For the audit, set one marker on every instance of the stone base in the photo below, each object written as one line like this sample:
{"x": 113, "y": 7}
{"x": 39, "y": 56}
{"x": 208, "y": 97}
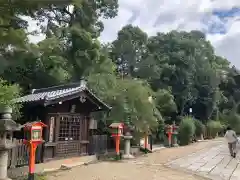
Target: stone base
{"x": 128, "y": 156}
{"x": 175, "y": 145}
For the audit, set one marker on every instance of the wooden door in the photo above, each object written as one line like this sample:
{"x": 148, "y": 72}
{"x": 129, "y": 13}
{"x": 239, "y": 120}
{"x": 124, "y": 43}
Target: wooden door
{"x": 71, "y": 135}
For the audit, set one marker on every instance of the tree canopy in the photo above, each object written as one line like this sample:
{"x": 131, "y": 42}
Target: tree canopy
{"x": 178, "y": 70}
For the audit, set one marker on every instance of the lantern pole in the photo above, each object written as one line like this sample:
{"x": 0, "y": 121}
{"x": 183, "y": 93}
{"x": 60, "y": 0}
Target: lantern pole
{"x": 118, "y": 145}
{"x": 145, "y": 140}
{"x": 117, "y": 131}
{"x": 169, "y": 129}
{"x": 32, "y": 153}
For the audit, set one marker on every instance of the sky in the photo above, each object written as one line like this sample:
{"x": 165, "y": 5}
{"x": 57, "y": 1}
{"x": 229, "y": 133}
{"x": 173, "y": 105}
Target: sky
{"x": 219, "y": 19}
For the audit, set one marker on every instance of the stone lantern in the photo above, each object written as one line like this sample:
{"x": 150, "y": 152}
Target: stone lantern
{"x": 7, "y": 126}
{"x": 127, "y": 146}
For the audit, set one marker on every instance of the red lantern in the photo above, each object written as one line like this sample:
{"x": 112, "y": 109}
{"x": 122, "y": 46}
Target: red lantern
{"x": 169, "y": 132}
{"x": 117, "y": 129}
{"x": 32, "y": 137}
{"x": 117, "y": 132}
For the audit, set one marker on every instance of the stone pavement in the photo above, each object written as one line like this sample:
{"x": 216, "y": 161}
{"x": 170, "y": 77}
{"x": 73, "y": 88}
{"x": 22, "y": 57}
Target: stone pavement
{"x": 151, "y": 166}
{"x": 215, "y": 163}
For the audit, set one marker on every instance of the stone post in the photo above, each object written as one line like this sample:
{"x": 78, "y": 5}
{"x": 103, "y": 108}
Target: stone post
{"x": 127, "y": 147}
{"x": 3, "y": 165}
{"x": 7, "y": 126}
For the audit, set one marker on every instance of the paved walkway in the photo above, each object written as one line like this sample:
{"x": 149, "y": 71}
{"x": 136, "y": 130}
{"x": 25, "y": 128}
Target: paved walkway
{"x": 215, "y": 163}
{"x": 151, "y": 166}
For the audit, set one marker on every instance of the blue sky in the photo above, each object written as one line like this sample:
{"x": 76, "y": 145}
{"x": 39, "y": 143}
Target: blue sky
{"x": 219, "y": 19}
{"x": 223, "y": 16}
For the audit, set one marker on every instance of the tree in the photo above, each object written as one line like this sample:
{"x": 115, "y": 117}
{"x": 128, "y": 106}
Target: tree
{"x": 70, "y": 47}
{"x": 128, "y": 98}
{"x": 173, "y": 53}
{"x": 178, "y": 69}
{"x": 77, "y": 27}
{"x": 9, "y": 92}
{"x": 165, "y": 103}
{"x": 128, "y": 49}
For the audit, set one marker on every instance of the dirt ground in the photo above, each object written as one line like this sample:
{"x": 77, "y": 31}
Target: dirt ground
{"x": 148, "y": 167}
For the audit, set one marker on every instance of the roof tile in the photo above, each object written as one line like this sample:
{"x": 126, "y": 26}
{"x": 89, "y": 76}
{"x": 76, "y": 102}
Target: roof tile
{"x": 52, "y": 93}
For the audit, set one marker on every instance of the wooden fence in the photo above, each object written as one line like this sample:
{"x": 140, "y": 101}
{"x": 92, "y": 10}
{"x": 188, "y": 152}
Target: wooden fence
{"x": 18, "y": 156}
{"x": 98, "y": 144}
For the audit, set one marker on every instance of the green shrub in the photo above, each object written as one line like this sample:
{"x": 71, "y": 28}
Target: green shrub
{"x": 186, "y": 130}
{"x": 213, "y": 127}
{"x": 36, "y": 177}
{"x": 234, "y": 121}
{"x": 199, "y": 127}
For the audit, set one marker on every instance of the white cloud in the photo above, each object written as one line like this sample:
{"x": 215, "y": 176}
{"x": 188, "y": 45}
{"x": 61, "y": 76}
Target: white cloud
{"x": 166, "y": 15}
{"x": 228, "y": 45}
{"x": 111, "y": 27}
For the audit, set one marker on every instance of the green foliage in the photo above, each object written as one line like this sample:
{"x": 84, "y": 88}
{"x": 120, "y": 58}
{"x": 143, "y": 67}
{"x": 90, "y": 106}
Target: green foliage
{"x": 165, "y": 102}
{"x": 9, "y": 92}
{"x": 213, "y": 127}
{"x": 129, "y": 99}
{"x": 128, "y": 48}
{"x": 118, "y": 157}
{"x": 186, "y": 130}
{"x": 160, "y": 134}
{"x": 178, "y": 69}
{"x": 234, "y": 122}
{"x": 36, "y": 176}
{"x": 199, "y": 127}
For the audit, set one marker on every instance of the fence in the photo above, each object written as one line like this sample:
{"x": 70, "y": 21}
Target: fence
{"x": 98, "y": 144}
{"x": 18, "y": 156}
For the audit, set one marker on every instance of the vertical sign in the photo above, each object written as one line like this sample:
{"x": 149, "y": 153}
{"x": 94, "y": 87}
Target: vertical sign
{"x": 51, "y": 129}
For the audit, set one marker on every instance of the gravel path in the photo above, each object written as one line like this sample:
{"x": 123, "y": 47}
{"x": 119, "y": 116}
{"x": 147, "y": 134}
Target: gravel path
{"x": 148, "y": 167}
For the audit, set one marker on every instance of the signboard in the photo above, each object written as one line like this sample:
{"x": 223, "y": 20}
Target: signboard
{"x": 51, "y": 129}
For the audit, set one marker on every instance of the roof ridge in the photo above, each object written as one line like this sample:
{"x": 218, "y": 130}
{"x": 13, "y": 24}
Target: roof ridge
{"x": 49, "y": 97}
{"x": 58, "y": 87}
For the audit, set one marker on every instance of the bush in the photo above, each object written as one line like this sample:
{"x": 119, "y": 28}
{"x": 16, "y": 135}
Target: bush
{"x": 36, "y": 177}
{"x": 233, "y": 120}
{"x": 199, "y": 128}
{"x": 186, "y": 130}
{"x": 213, "y": 127}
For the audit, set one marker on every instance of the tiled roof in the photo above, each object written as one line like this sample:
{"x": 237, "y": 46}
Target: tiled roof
{"x": 56, "y": 92}
{"x": 51, "y": 95}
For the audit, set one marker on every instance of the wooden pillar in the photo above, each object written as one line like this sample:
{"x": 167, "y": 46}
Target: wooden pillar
{"x": 56, "y": 133}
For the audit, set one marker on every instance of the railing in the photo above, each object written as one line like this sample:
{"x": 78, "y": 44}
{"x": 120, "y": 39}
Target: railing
{"x": 18, "y": 156}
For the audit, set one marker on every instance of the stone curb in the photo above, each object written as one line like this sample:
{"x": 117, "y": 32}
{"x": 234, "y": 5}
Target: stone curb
{"x": 158, "y": 149}
{"x": 69, "y": 166}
